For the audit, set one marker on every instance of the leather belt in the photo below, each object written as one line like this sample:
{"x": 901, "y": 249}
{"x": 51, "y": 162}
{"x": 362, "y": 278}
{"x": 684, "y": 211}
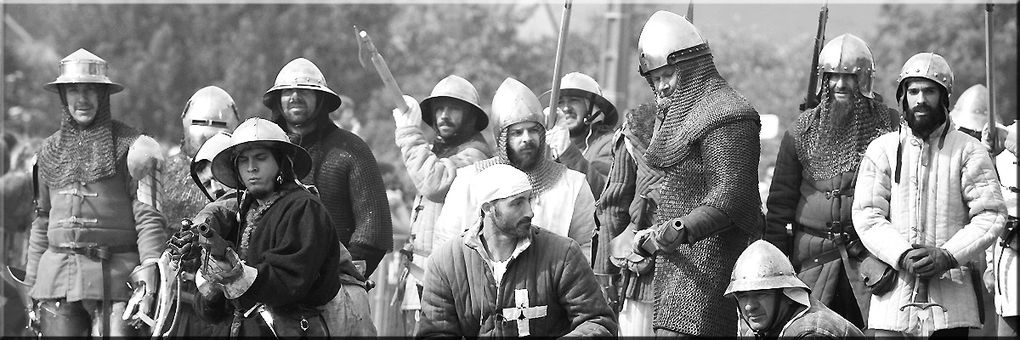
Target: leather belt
{"x": 93, "y": 250}
{"x": 823, "y": 258}
{"x": 840, "y": 238}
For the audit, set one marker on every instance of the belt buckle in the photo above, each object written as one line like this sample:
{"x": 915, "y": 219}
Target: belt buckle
{"x": 832, "y": 193}
{"x": 839, "y": 238}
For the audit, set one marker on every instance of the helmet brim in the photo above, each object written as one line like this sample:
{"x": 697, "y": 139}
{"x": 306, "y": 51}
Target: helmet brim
{"x": 428, "y": 115}
{"x": 608, "y": 109}
{"x": 223, "y": 164}
{"x": 330, "y": 101}
{"x": 54, "y": 86}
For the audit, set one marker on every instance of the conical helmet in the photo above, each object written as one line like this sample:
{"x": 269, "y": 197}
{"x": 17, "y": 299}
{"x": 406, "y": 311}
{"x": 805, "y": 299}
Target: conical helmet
{"x": 666, "y": 39}
{"x": 926, "y": 65}
{"x": 848, "y": 54}
{"x": 762, "y": 266}
{"x": 301, "y": 73}
{"x": 83, "y": 67}
{"x": 971, "y": 109}
{"x": 459, "y": 89}
{"x": 258, "y": 130}
{"x": 210, "y": 106}
{"x": 581, "y": 85}
{"x": 514, "y": 103}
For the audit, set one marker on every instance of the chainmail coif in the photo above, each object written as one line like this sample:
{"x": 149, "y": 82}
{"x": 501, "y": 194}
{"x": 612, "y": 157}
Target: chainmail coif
{"x": 704, "y": 123}
{"x": 827, "y": 149}
{"x": 182, "y": 196}
{"x": 84, "y": 154}
{"x": 542, "y": 176}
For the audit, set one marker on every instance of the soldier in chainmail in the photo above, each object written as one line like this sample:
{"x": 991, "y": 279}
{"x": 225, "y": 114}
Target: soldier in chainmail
{"x": 344, "y": 173}
{"x": 210, "y": 111}
{"x": 707, "y": 147}
{"x": 563, "y": 202}
{"x": 813, "y": 186}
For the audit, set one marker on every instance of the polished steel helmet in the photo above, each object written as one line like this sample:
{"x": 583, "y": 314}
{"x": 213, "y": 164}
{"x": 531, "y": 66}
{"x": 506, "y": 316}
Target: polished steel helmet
{"x": 301, "y": 73}
{"x": 971, "y": 109}
{"x": 456, "y": 88}
{"x": 212, "y": 147}
{"x": 210, "y": 106}
{"x": 848, "y": 54}
{"x": 666, "y": 39}
{"x": 83, "y": 67}
{"x": 264, "y": 132}
{"x": 514, "y": 103}
{"x": 926, "y": 65}
{"x": 762, "y": 266}
{"x": 576, "y": 84}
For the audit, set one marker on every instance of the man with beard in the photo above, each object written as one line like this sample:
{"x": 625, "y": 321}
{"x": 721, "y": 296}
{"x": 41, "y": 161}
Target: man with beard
{"x": 344, "y": 171}
{"x": 709, "y": 209}
{"x": 628, "y": 205}
{"x": 928, "y": 204}
{"x": 506, "y": 277}
{"x": 97, "y": 213}
{"x": 813, "y": 185}
{"x": 588, "y": 118}
{"x": 563, "y": 202}
{"x": 452, "y": 110}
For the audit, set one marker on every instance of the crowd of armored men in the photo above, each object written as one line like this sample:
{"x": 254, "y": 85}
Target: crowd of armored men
{"x": 879, "y": 218}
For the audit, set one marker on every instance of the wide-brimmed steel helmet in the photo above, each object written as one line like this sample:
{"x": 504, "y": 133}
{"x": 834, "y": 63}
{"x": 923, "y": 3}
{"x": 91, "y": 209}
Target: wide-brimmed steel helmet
{"x": 301, "y": 73}
{"x": 666, "y": 39}
{"x": 927, "y": 65}
{"x": 262, "y": 132}
{"x": 762, "y": 266}
{"x": 971, "y": 109}
{"x": 83, "y": 67}
{"x": 211, "y": 106}
{"x": 514, "y": 103}
{"x": 212, "y": 147}
{"x": 576, "y": 84}
{"x": 850, "y": 55}
{"x": 456, "y": 88}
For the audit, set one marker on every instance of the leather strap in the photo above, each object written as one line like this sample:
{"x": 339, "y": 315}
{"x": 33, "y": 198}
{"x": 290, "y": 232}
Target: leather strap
{"x": 101, "y": 253}
{"x": 823, "y": 258}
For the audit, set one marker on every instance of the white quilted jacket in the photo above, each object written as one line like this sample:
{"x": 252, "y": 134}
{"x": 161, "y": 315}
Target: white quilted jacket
{"x": 947, "y": 195}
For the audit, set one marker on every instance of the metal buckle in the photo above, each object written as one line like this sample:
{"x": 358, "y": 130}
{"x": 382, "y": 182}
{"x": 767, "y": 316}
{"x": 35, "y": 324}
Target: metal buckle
{"x": 830, "y": 194}
{"x": 78, "y": 220}
{"x": 839, "y": 238}
{"x": 79, "y": 193}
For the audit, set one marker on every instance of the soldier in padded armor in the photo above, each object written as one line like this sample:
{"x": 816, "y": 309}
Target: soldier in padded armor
{"x": 773, "y": 303}
{"x": 588, "y": 119}
{"x": 816, "y": 169}
{"x": 210, "y": 112}
{"x": 453, "y": 111}
{"x": 563, "y": 202}
{"x": 98, "y": 224}
{"x": 709, "y": 209}
{"x": 628, "y": 205}
{"x": 344, "y": 172}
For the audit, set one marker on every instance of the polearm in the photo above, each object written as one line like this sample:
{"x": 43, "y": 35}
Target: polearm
{"x": 690, "y": 11}
{"x": 811, "y": 99}
{"x": 992, "y": 133}
{"x": 561, "y": 42}
{"x": 367, "y": 54}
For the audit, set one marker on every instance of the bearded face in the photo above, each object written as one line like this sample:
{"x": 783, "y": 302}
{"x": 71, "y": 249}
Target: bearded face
{"x": 843, "y": 93}
{"x": 524, "y": 144}
{"x": 512, "y": 215}
{"x": 923, "y": 107}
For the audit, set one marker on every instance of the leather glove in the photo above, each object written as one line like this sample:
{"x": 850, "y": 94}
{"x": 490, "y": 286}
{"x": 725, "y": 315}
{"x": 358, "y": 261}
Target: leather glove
{"x": 219, "y": 271}
{"x": 410, "y": 118}
{"x": 639, "y": 240}
{"x": 909, "y": 257}
{"x": 994, "y": 146}
{"x": 557, "y": 137}
{"x": 934, "y": 262}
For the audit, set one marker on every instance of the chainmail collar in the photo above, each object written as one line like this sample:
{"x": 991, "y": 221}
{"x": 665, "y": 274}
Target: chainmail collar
{"x": 542, "y": 177}
{"x": 827, "y": 150}
{"x": 85, "y": 154}
{"x": 702, "y": 102}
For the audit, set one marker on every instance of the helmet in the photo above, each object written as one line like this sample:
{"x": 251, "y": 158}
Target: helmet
{"x": 926, "y": 65}
{"x": 848, "y": 54}
{"x": 83, "y": 67}
{"x": 578, "y": 84}
{"x": 514, "y": 103}
{"x": 210, "y": 106}
{"x": 258, "y": 130}
{"x": 301, "y": 74}
{"x": 456, "y": 88}
{"x": 666, "y": 39}
{"x": 212, "y": 147}
{"x": 971, "y": 109}
{"x": 762, "y": 266}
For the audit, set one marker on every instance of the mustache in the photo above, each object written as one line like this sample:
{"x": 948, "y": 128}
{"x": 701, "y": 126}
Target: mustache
{"x": 525, "y": 220}
{"x": 445, "y": 122}
{"x": 922, "y": 108}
